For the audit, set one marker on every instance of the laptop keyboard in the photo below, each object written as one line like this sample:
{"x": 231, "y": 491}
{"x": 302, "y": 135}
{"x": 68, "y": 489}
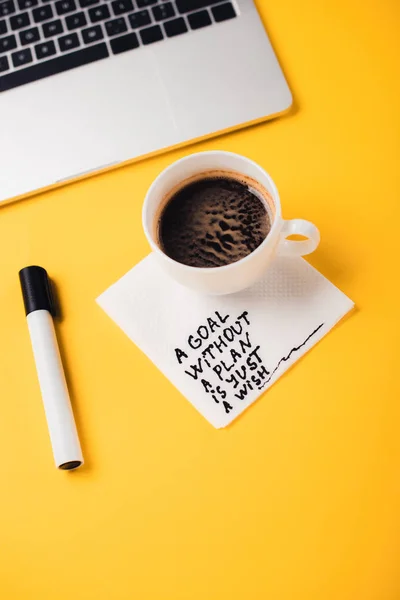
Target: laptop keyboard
{"x": 39, "y": 38}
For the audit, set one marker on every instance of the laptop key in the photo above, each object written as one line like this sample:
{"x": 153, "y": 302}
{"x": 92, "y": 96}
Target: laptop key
{"x": 55, "y": 65}
{"x": 122, "y": 6}
{"x": 3, "y": 27}
{"x": 85, "y": 3}
{"x": 4, "y": 66}
{"x": 92, "y": 34}
{"x": 45, "y": 49}
{"x": 76, "y": 20}
{"x": 24, "y": 4}
{"x": 53, "y": 28}
{"x": 20, "y": 21}
{"x": 68, "y": 42}
{"x": 65, "y": 6}
{"x": 139, "y": 19}
{"x": 151, "y": 34}
{"x": 21, "y": 57}
{"x": 199, "y": 19}
{"x": 143, "y": 3}
{"x": 163, "y": 11}
{"x": 185, "y": 6}
{"x": 223, "y": 12}
{"x": 99, "y": 13}
{"x": 175, "y": 27}
{"x": 29, "y": 36}
{"x": 7, "y": 43}
{"x": 43, "y": 13}
{"x": 7, "y": 8}
{"x": 124, "y": 43}
{"x": 116, "y": 26}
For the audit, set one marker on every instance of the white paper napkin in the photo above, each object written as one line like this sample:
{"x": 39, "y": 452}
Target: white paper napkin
{"x": 223, "y": 352}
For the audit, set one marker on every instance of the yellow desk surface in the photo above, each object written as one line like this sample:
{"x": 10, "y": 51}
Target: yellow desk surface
{"x": 300, "y": 498}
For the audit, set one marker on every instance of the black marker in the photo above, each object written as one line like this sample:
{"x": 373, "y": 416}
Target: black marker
{"x": 39, "y": 308}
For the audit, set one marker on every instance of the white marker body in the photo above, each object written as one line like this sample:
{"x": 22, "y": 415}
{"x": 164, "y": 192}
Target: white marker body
{"x": 57, "y": 405}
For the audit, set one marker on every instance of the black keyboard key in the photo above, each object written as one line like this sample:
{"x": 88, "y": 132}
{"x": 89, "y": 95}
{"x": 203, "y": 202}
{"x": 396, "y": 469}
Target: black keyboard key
{"x": 92, "y": 34}
{"x": 143, "y": 3}
{"x": 29, "y": 36}
{"x": 122, "y": 6}
{"x": 199, "y": 19}
{"x": 151, "y": 34}
{"x": 53, "y": 28}
{"x": 140, "y": 19}
{"x": 3, "y": 27}
{"x": 163, "y": 11}
{"x": 185, "y": 6}
{"x": 175, "y": 27}
{"x": 21, "y": 57}
{"x": 99, "y": 13}
{"x": 116, "y": 26}
{"x": 45, "y": 50}
{"x": 223, "y": 12}
{"x": 7, "y": 43}
{"x": 53, "y": 66}
{"x": 124, "y": 43}
{"x": 24, "y": 4}
{"x": 68, "y": 42}
{"x": 7, "y": 8}
{"x": 85, "y": 3}
{"x": 4, "y": 66}
{"x": 20, "y": 21}
{"x": 43, "y": 13}
{"x": 65, "y": 6}
{"x": 76, "y": 20}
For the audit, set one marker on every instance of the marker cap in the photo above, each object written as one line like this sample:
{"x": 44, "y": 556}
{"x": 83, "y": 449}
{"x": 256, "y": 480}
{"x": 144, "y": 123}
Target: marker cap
{"x": 36, "y": 290}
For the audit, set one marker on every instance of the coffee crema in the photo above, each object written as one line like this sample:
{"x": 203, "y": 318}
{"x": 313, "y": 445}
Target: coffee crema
{"x": 214, "y": 219}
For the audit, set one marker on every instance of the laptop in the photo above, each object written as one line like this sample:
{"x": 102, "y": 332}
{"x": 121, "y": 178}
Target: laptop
{"x": 86, "y": 85}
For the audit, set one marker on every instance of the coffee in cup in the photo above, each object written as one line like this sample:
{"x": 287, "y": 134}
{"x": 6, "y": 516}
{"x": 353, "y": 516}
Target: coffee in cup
{"x": 214, "y": 219}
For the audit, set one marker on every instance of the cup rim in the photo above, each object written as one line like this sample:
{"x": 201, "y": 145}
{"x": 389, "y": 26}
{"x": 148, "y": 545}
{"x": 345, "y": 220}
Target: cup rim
{"x": 276, "y": 224}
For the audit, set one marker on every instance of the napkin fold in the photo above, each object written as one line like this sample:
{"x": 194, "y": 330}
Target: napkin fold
{"x": 223, "y": 352}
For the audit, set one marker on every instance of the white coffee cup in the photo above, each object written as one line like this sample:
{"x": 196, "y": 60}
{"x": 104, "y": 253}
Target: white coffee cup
{"x": 237, "y": 275}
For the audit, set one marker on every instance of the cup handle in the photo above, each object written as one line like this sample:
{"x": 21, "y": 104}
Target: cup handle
{"x": 298, "y": 227}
